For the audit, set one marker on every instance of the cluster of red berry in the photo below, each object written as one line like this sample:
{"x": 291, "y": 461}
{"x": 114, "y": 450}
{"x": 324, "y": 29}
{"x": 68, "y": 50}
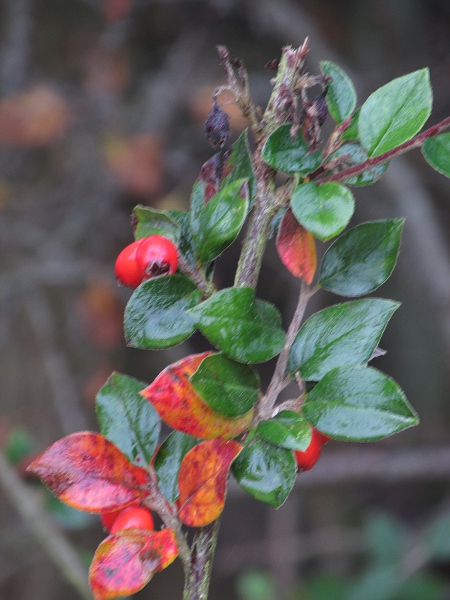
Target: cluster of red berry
{"x": 146, "y": 258}
{"x": 306, "y": 459}
{"x": 132, "y": 517}
{"x": 143, "y": 259}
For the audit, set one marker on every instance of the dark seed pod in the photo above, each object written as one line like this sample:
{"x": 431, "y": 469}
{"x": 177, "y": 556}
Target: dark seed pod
{"x": 217, "y": 127}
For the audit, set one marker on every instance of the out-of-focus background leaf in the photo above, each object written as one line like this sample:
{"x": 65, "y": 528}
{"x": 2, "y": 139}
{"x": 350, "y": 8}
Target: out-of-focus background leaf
{"x": 102, "y": 104}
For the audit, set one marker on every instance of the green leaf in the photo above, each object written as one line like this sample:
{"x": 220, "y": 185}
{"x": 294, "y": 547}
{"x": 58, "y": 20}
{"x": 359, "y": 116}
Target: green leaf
{"x": 362, "y": 259}
{"x": 265, "y": 472}
{"x": 156, "y": 317}
{"x": 168, "y": 460}
{"x": 227, "y": 387}
{"x": 286, "y": 429}
{"x": 438, "y": 537}
{"x": 395, "y": 113}
{"x": 324, "y": 210}
{"x": 344, "y": 334}
{"x": 240, "y": 166}
{"x": 196, "y": 206}
{"x": 148, "y": 221}
{"x": 221, "y": 220}
{"x": 127, "y": 419}
{"x": 290, "y": 156}
{"x": 245, "y": 329}
{"x": 358, "y": 404}
{"x": 341, "y": 95}
{"x": 356, "y": 155}
{"x": 386, "y": 538}
{"x": 186, "y": 243}
{"x": 436, "y": 151}
{"x": 351, "y": 133}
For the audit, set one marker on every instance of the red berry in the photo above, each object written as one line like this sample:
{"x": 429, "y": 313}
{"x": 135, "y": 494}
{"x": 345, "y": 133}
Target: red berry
{"x": 126, "y": 267}
{"x": 306, "y": 459}
{"x": 156, "y": 255}
{"x": 133, "y": 517}
{"x": 109, "y": 518}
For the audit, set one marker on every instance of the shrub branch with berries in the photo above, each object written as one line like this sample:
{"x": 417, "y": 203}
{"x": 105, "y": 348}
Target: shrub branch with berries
{"x": 298, "y": 185}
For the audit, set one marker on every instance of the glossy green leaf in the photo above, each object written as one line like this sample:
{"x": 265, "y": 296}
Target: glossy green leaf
{"x": 186, "y": 243}
{"x": 394, "y": 113}
{"x": 239, "y": 165}
{"x": 362, "y": 258}
{"x": 344, "y": 334}
{"x": 228, "y": 387}
{"x": 324, "y": 210}
{"x": 436, "y": 151}
{"x": 265, "y": 472}
{"x": 156, "y": 317}
{"x": 126, "y": 419}
{"x": 168, "y": 460}
{"x": 149, "y": 221}
{"x": 358, "y": 404}
{"x": 352, "y": 155}
{"x": 221, "y": 220}
{"x": 287, "y": 429}
{"x": 196, "y": 206}
{"x": 287, "y": 155}
{"x": 351, "y": 132}
{"x": 245, "y": 329}
{"x": 341, "y": 95}
{"x": 438, "y": 537}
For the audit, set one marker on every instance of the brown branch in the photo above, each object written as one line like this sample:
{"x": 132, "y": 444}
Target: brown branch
{"x": 415, "y": 142}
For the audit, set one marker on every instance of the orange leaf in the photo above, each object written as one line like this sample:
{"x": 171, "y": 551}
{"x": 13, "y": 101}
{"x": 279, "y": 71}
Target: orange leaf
{"x": 173, "y": 396}
{"x": 86, "y": 471}
{"x": 125, "y": 562}
{"x": 296, "y": 248}
{"x": 202, "y": 481}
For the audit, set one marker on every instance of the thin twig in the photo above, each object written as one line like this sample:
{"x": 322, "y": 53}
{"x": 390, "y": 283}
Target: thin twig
{"x": 278, "y": 379}
{"x": 206, "y": 287}
{"x": 415, "y": 142}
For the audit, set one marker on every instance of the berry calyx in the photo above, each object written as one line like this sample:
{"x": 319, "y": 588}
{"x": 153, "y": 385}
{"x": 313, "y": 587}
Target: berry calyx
{"x": 126, "y": 267}
{"x": 306, "y": 459}
{"x": 133, "y": 517}
{"x": 156, "y": 255}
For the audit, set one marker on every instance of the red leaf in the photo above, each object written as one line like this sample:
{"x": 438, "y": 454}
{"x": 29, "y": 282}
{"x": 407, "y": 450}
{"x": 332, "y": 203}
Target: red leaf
{"x": 125, "y": 562}
{"x": 86, "y": 471}
{"x": 296, "y": 248}
{"x": 202, "y": 481}
{"x": 177, "y": 403}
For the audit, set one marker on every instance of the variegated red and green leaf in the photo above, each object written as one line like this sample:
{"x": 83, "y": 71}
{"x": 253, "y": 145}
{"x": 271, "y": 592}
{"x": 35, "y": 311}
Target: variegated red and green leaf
{"x": 202, "y": 481}
{"x": 87, "y": 472}
{"x": 296, "y": 248}
{"x": 124, "y": 563}
{"x": 177, "y": 403}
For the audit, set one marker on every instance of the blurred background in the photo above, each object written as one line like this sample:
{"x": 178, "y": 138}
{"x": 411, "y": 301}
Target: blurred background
{"x": 102, "y": 104}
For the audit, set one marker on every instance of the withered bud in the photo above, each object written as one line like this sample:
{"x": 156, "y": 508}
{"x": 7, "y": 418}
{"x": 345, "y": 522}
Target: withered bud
{"x": 217, "y": 126}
